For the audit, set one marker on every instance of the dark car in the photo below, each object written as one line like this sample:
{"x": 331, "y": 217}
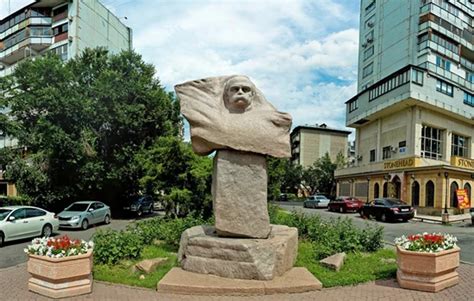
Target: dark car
{"x": 345, "y": 204}
{"x": 385, "y": 209}
{"x": 471, "y": 210}
{"x": 140, "y": 205}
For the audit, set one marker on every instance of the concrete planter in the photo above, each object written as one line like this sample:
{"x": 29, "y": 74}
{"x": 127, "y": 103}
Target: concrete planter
{"x": 60, "y": 277}
{"x": 429, "y": 272}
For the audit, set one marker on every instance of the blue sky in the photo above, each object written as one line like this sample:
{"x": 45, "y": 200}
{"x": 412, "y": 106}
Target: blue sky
{"x": 301, "y": 54}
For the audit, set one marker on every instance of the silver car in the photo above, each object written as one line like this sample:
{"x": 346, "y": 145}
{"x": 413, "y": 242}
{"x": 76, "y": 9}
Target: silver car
{"x": 316, "y": 201}
{"x": 18, "y": 222}
{"x": 83, "y": 214}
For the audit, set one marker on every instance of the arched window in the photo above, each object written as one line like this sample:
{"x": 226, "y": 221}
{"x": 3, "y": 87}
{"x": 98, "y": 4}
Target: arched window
{"x": 385, "y": 188}
{"x": 376, "y": 190}
{"x": 429, "y": 189}
{"x": 415, "y": 194}
{"x": 452, "y": 193}
{"x": 467, "y": 187}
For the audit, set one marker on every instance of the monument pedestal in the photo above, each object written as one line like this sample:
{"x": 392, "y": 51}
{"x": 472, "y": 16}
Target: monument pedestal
{"x": 202, "y": 251}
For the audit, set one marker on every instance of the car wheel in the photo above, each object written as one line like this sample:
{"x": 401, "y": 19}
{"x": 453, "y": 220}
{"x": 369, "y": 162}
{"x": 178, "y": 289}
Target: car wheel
{"x": 2, "y": 239}
{"x": 85, "y": 224}
{"x": 304, "y": 205}
{"x": 404, "y": 220}
{"x": 362, "y": 213}
{"x": 107, "y": 219}
{"x": 47, "y": 231}
{"x": 383, "y": 217}
{"x": 139, "y": 212}
{"x": 341, "y": 210}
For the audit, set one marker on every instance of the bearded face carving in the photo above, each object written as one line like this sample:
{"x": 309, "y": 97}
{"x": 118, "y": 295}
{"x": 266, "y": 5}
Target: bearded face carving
{"x": 238, "y": 94}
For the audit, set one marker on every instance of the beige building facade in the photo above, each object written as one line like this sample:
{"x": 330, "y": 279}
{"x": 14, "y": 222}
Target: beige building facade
{"x": 414, "y": 111}
{"x": 309, "y": 143}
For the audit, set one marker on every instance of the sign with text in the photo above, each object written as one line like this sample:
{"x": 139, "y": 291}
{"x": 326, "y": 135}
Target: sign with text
{"x": 462, "y": 162}
{"x": 400, "y": 163}
{"x": 463, "y": 199}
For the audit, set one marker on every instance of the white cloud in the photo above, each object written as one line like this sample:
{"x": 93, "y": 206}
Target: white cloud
{"x": 301, "y": 54}
{"x": 10, "y": 6}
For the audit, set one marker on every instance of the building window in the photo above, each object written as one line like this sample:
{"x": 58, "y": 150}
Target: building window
{"x": 370, "y": 7}
{"x": 454, "y": 197}
{"x": 459, "y": 145}
{"x": 429, "y": 193}
{"x": 376, "y": 190}
{"x": 40, "y": 31}
{"x": 60, "y": 29}
{"x": 352, "y": 105}
{"x": 469, "y": 99}
{"x": 387, "y": 152}
{"x": 431, "y": 143}
{"x": 451, "y": 46}
{"x": 470, "y": 76}
{"x": 417, "y": 76}
{"x": 368, "y": 70}
{"x": 372, "y": 155}
{"x": 443, "y": 63}
{"x": 60, "y": 51}
{"x": 394, "y": 82}
{"x": 368, "y": 52}
{"x": 444, "y": 87}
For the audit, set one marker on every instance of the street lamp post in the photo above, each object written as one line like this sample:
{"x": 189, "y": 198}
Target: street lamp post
{"x": 368, "y": 188}
{"x": 445, "y": 216}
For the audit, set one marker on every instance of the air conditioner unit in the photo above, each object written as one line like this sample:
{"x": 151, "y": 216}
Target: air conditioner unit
{"x": 394, "y": 149}
{"x": 359, "y": 157}
{"x": 70, "y": 38}
{"x": 70, "y": 18}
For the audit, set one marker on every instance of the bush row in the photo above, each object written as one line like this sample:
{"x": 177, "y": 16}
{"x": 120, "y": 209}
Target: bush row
{"x": 330, "y": 236}
{"x": 112, "y": 246}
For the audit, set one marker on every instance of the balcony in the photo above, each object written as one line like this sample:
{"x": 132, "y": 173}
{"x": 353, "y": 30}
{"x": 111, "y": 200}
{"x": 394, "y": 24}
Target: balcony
{"x": 458, "y": 80}
{"x": 30, "y": 21}
{"x": 23, "y": 49}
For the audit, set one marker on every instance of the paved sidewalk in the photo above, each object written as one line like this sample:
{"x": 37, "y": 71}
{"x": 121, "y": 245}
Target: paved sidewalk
{"x": 13, "y": 286}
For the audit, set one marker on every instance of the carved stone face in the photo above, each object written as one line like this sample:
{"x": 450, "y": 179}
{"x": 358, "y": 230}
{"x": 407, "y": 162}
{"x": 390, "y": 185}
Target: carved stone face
{"x": 239, "y": 93}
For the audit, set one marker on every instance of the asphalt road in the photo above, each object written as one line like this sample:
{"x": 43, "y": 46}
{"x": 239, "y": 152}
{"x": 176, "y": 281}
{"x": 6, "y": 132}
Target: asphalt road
{"x": 12, "y": 253}
{"x": 463, "y": 231}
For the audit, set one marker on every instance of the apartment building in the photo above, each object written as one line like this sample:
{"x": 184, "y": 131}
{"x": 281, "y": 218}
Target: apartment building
{"x": 413, "y": 114}
{"x": 311, "y": 142}
{"x": 64, "y": 27}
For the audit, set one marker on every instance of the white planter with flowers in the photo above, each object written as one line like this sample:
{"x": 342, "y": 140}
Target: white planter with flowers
{"x": 60, "y": 267}
{"x": 427, "y": 262}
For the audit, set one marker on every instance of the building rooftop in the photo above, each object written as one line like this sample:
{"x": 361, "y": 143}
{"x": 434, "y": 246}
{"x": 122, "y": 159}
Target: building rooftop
{"x": 320, "y": 127}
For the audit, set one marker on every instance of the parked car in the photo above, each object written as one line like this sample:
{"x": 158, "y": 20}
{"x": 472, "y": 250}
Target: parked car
{"x": 385, "y": 209}
{"x": 83, "y": 214}
{"x": 345, "y": 204}
{"x": 316, "y": 201}
{"x": 471, "y": 210}
{"x": 140, "y": 205}
{"x": 18, "y": 222}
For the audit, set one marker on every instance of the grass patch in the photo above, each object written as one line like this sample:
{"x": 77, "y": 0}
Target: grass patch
{"x": 122, "y": 273}
{"x": 358, "y": 267}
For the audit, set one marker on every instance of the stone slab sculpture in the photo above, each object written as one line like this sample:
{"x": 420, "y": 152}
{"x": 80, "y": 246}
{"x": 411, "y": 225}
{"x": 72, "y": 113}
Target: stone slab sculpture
{"x": 228, "y": 114}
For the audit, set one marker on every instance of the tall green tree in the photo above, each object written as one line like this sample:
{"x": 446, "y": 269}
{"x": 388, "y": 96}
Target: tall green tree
{"x": 171, "y": 169}
{"x": 82, "y": 124}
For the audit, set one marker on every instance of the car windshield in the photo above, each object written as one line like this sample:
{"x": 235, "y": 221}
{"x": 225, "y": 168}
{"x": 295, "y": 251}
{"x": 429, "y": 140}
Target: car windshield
{"x": 395, "y": 202}
{"x": 4, "y": 213}
{"x": 77, "y": 207}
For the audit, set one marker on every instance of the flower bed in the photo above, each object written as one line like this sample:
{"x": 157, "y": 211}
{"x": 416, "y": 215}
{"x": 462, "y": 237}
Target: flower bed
{"x": 426, "y": 242}
{"x": 60, "y": 267}
{"x": 58, "y": 247}
{"x": 427, "y": 262}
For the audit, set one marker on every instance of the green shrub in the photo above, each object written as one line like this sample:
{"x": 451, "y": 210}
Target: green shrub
{"x": 330, "y": 236}
{"x": 111, "y": 246}
{"x": 14, "y": 200}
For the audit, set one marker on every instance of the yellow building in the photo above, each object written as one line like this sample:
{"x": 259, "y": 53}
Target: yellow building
{"x": 309, "y": 143}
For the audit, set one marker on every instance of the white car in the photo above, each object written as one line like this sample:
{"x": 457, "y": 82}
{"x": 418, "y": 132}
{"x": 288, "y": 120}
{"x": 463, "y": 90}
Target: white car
{"x": 316, "y": 201}
{"x": 19, "y": 222}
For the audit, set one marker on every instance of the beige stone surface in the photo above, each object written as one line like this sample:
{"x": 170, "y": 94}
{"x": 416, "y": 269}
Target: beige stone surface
{"x": 179, "y": 281}
{"x": 149, "y": 265}
{"x": 60, "y": 277}
{"x": 239, "y": 193}
{"x": 334, "y": 262}
{"x": 430, "y": 272}
{"x": 229, "y": 112}
{"x": 202, "y": 251}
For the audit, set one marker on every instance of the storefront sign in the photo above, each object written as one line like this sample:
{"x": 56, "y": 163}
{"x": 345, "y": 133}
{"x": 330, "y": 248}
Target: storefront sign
{"x": 462, "y": 162}
{"x": 463, "y": 199}
{"x": 401, "y": 163}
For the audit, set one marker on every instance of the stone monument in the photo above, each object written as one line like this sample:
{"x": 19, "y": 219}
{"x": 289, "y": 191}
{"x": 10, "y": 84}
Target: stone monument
{"x": 229, "y": 115}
